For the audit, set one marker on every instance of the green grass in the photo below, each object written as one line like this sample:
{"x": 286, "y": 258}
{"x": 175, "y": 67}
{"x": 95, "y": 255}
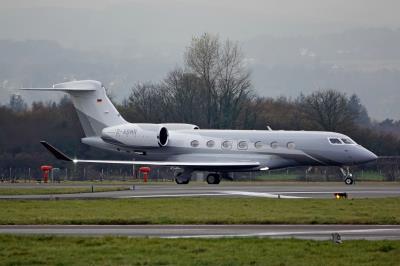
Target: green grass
{"x": 58, "y": 190}
{"x": 276, "y": 176}
{"x": 50, "y": 250}
{"x": 202, "y": 211}
{"x": 297, "y": 176}
{"x": 370, "y": 176}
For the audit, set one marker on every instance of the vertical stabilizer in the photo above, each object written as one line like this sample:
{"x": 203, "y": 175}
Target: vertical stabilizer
{"x": 94, "y": 108}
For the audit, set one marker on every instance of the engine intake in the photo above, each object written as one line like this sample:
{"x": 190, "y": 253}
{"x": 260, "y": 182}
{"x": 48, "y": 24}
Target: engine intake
{"x": 163, "y": 137}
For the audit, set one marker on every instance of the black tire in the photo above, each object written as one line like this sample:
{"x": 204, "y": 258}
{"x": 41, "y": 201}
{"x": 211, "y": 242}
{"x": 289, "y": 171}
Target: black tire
{"x": 180, "y": 181}
{"x": 213, "y": 179}
{"x": 349, "y": 181}
{"x": 210, "y": 179}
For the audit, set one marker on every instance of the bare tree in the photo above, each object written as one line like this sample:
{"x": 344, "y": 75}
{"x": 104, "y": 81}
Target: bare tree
{"x": 359, "y": 111}
{"x": 328, "y": 110}
{"x": 226, "y": 81}
{"x": 183, "y": 97}
{"x": 234, "y": 85}
{"x": 202, "y": 59}
{"x": 17, "y": 104}
{"x": 146, "y": 99}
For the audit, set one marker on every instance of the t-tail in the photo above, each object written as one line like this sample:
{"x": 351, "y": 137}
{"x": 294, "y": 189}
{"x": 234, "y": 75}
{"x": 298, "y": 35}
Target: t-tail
{"x": 94, "y": 108}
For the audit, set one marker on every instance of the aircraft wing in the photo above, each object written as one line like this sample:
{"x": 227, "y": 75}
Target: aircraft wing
{"x": 233, "y": 164}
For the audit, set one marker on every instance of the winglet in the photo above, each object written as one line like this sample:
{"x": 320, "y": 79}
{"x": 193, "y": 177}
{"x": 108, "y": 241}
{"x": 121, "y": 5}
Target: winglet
{"x": 58, "y": 154}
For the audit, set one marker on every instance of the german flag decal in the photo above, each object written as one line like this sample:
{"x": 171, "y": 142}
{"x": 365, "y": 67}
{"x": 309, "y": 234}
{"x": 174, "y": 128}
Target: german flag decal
{"x": 99, "y": 100}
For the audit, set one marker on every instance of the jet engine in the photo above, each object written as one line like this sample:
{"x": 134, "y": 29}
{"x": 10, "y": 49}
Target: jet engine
{"x": 136, "y": 135}
{"x": 176, "y": 126}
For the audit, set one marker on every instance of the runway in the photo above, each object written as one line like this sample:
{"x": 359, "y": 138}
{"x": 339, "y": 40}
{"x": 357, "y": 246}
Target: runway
{"x": 291, "y": 190}
{"x": 315, "y": 232}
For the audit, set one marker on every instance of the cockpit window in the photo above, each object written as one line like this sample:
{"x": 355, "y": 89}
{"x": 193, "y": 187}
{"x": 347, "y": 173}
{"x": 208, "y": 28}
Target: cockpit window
{"x": 335, "y": 141}
{"x": 347, "y": 141}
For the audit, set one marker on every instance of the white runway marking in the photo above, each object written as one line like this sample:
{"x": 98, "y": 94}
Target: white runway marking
{"x": 171, "y": 195}
{"x": 316, "y": 232}
{"x": 218, "y": 193}
{"x": 343, "y": 190}
{"x": 260, "y": 194}
{"x": 290, "y": 233}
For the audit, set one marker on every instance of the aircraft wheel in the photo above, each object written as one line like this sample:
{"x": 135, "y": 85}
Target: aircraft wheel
{"x": 213, "y": 179}
{"x": 181, "y": 181}
{"x": 178, "y": 181}
{"x": 349, "y": 181}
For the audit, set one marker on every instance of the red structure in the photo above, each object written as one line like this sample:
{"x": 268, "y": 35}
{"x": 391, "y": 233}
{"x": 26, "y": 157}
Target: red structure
{"x": 146, "y": 171}
{"x": 46, "y": 170}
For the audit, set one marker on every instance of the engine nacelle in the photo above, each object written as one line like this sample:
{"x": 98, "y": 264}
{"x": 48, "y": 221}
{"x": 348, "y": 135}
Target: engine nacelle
{"x": 137, "y": 135}
{"x": 176, "y": 126}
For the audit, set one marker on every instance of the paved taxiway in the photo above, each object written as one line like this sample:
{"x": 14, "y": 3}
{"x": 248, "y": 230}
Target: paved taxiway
{"x": 266, "y": 190}
{"x": 316, "y": 232}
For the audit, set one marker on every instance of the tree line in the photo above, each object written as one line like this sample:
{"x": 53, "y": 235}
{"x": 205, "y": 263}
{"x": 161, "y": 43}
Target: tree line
{"x": 212, "y": 89}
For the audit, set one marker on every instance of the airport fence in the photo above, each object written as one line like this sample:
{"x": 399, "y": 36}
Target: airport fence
{"x": 386, "y": 168}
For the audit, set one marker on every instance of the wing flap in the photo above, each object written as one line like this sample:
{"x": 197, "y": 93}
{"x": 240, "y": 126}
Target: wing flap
{"x": 243, "y": 164}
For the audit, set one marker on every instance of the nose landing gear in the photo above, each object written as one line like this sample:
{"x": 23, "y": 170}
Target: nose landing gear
{"x": 348, "y": 177}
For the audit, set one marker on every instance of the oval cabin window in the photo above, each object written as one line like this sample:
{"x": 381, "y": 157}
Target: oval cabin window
{"x": 242, "y": 145}
{"x": 291, "y": 145}
{"x": 227, "y": 144}
{"x": 194, "y": 143}
{"x": 258, "y": 145}
{"x": 274, "y": 144}
{"x": 210, "y": 143}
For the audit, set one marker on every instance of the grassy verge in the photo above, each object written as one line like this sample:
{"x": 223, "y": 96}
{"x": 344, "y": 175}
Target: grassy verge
{"x": 370, "y": 176}
{"x": 297, "y": 176}
{"x": 277, "y": 177}
{"x": 202, "y": 211}
{"x": 46, "y": 250}
{"x": 58, "y": 190}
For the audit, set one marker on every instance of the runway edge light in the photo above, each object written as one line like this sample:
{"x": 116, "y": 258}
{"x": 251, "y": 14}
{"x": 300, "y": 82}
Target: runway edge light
{"x": 340, "y": 195}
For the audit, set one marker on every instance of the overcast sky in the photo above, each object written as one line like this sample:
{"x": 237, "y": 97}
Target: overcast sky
{"x": 156, "y": 32}
{"x": 354, "y": 12}
{"x": 257, "y": 16}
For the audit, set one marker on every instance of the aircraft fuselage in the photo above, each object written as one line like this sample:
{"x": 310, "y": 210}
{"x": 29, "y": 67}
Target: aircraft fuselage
{"x": 272, "y": 148}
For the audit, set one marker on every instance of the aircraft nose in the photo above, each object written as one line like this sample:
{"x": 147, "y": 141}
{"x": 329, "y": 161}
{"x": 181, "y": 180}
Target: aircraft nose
{"x": 366, "y": 156}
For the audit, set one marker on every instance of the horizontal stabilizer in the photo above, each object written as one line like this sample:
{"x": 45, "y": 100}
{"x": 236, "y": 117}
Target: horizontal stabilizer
{"x": 234, "y": 164}
{"x": 58, "y": 89}
{"x": 71, "y": 86}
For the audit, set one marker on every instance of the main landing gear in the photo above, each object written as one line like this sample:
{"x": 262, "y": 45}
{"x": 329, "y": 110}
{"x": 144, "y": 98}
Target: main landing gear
{"x": 183, "y": 178}
{"x": 348, "y": 177}
{"x": 213, "y": 179}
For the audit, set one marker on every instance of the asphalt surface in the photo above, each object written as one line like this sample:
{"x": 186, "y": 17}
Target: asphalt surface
{"x": 293, "y": 190}
{"x": 315, "y": 232}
